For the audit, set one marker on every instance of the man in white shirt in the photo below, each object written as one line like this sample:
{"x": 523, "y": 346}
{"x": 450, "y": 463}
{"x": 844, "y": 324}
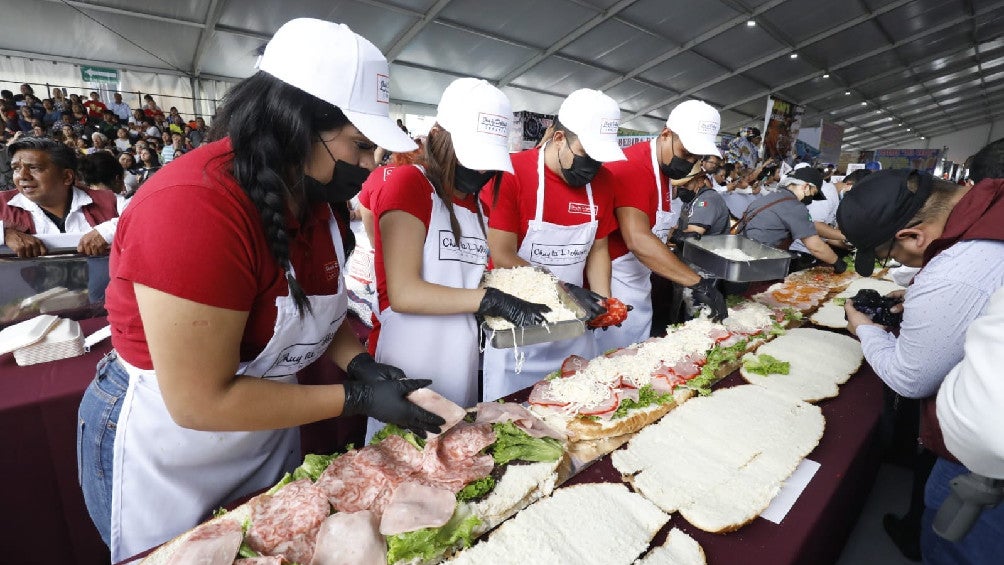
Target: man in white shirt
{"x": 120, "y": 108}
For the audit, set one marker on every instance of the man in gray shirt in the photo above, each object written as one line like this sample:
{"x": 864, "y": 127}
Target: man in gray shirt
{"x": 778, "y": 218}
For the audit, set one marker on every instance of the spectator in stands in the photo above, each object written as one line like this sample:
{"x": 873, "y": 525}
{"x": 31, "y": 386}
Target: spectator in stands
{"x": 69, "y": 136}
{"x": 51, "y": 116}
{"x": 149, "y": 164}
{"x": 150, "y": 108}
{"x": 75, "y": 99}
{"x": 83, "y": 144}
{"x": 99, "y": 143}
{"x": 122, "y": 141}
{"x": 198, "y": 133}
{"x": 8, "y": 97}
{"x": 170, "y": 150}
{"x": 59, "y": 100}
{"x": 47, "y": 202}
{"x": 37, "y": 130}
{"x": 151, "y": 127}
{"x": 176, "y": 124}
{"x": 25, "y": 119}
{"x": 79, "y": 114}
{"x": 102, "y": 171}
{"x": 30, "y": 101}
{"x": 120, "y": 108}
{"x": 95, "y": 107}
{"x": 137, "y": 116}
{"x": 25, "y": 90}
{"x": 130, "y": 177}
{"x": 109, "y": 124}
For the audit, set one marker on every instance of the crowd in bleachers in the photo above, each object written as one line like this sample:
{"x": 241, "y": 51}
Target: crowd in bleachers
{"x": 143, "y": 139}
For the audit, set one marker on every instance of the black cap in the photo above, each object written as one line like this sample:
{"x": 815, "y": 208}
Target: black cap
{"x": 811, "y": 176}
{"x": 876, "y": 208}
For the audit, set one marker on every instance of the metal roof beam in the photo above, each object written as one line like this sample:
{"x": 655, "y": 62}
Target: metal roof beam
{"x": 131, "y": 13}
{"x": 212, "y": 16}
{"x": 561, "y": 43}
{"x": 405, "y": 38}
{"x": 706, "y": 36}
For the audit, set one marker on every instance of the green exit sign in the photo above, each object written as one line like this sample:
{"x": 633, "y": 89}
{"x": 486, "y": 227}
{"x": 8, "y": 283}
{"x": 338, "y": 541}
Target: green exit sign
{"x": 99, "y": 74}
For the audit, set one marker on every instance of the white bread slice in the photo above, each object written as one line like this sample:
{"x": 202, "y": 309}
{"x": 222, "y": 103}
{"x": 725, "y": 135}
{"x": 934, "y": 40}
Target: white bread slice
{"x": 591, "y": 523}
{"x": 679, "y": 549}
{"x": 820, "y": 361}
{"x": 520, "y": 486}
{"x": 730, "y": 453}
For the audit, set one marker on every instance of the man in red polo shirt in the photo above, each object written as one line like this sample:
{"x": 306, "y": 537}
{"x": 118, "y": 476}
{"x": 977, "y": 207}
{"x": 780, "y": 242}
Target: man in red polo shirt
{"x": 642, "y": 199}
{"x": 548, "y": 213}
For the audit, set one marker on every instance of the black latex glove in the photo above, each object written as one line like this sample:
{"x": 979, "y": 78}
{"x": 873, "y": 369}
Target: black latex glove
{"x": 679, "y": 236}
{"x": 518, "y": 311}
{"x": 385, "y": 401}
{"x": 365, "y": 369}
{"x": 705, "y": 292}
{"x": 592, "y": 302}
{"x": 840, "y": 266}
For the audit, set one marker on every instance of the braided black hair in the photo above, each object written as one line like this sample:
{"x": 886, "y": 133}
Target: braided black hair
{"x": 271, "y": 126}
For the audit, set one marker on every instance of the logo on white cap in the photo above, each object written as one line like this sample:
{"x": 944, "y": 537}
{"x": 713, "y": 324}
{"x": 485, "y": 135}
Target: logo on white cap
{"x": 493, "y": 124}
{"x": 609, "y": 126}
{"x": 383, "y": 89}
{"x": 707, "y": 127}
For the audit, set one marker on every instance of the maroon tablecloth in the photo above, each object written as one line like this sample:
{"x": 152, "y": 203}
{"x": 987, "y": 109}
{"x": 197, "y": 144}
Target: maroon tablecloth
{"x": 43, "y": 519}
{"x": 42, "y": 516}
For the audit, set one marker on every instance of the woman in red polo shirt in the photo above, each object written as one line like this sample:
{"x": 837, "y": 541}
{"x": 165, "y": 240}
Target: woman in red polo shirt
{"x": 226, "y": 279}
{"x": 431, "y": 247}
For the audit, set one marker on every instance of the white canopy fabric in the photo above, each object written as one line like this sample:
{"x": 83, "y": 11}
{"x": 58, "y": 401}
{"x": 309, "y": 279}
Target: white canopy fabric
{"x": 889, "y": 71}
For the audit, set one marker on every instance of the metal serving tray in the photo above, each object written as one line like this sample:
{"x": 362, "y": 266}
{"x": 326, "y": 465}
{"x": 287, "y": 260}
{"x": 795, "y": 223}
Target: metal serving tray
{"x": 768, "y": 263}
{"x": 530, "y": 335}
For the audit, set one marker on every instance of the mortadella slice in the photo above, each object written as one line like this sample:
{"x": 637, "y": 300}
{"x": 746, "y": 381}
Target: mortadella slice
{"x": 350, "y": 538}
{"x": 414, "y": 506}
{"x": 266, "y": 560}
{"x": 493, "y": 412}
{"x": 437, "y": 404}
{"x": 215, "y": 543}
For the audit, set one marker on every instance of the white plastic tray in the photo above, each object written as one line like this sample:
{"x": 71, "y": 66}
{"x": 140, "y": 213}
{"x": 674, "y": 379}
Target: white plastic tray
{"x": 26, "y": 333}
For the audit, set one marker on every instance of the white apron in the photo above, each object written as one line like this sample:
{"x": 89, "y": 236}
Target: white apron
{"x": 563, "y": 250}
{"x": 443, "y": 348}
{"x": 167, "y": 478}
{"x": 631, "y": 282}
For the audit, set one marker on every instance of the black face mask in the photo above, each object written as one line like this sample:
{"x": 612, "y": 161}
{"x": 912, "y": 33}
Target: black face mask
{"x": 345, "y": 183}
{"x": 807, "y": 200}
{"x": 677, "y": 168}
{"x": 470, "y": 181}
{"x": 581, "y": 171}
{"x": 685, "y": 195}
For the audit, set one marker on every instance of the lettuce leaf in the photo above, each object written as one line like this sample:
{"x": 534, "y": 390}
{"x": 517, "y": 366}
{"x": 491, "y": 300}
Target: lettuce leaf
{"x": 840, "y": 301}
{"x": 551, "y": 376}
{"x": 430, "y": 543}
{"x": 285, "y": 480}
{"x": 776, "y": 329}
{"x": 313, "y": 465}
{"x": 391, "y": 429}
{"x": 717, "y": 357}
{"x": 766, "y": 365}
{"x": 792, "y": 315}
{"x": 734, "y": 300}
{"x": 511, "y": 443}
{"x": 646, "y": 397}
{"x": 477, "y": 489}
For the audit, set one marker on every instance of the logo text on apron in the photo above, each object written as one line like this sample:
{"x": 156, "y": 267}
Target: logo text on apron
{"x": 473, "y": 250}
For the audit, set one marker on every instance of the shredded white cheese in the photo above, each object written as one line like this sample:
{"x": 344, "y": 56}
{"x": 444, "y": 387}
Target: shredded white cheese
{"x": 531, "y": 285}
{"x": 734, "y": 254}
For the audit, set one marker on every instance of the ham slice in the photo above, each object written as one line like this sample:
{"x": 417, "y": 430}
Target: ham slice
{"x": 494, "y": 412}
{"x": 414, "y": 506}
{"x": 286, "y": 523}
{"x": 439, "y": 405}
{"x": 350, "y": 538}
{"x": 269, "y": 560}
{"x": 213, "y": 543}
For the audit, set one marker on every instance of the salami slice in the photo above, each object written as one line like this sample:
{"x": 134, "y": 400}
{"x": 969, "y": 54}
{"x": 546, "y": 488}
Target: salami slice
{"x": 287, "y": 522}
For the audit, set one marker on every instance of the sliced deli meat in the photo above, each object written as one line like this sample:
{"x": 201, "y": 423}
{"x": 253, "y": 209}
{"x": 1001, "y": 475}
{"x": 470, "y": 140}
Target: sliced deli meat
{"x": 350, "y": 538}
{"x": 439, "y": 405}
{"x": 267, "y": 560}
{"x": 414, "y": 506}
{"x": 213, "y": 543}
{"x": 286, "y": 523}
{"x": 495, "y": 412}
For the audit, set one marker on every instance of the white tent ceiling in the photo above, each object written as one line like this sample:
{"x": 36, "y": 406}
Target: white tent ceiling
{"x": 877, "y": 67}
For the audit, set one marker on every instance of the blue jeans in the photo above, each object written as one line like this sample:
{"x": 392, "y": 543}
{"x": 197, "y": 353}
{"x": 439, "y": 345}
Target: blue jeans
{"x": 97, "y": 419}
{"x": 983, "y": 545}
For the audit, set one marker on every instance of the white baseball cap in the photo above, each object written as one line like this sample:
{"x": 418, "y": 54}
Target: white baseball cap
{"x": 333, "y": 63}
{"x": 696, "y": 124}
{"x": 478, "y": 117}
{"x": 594, "y": 117}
